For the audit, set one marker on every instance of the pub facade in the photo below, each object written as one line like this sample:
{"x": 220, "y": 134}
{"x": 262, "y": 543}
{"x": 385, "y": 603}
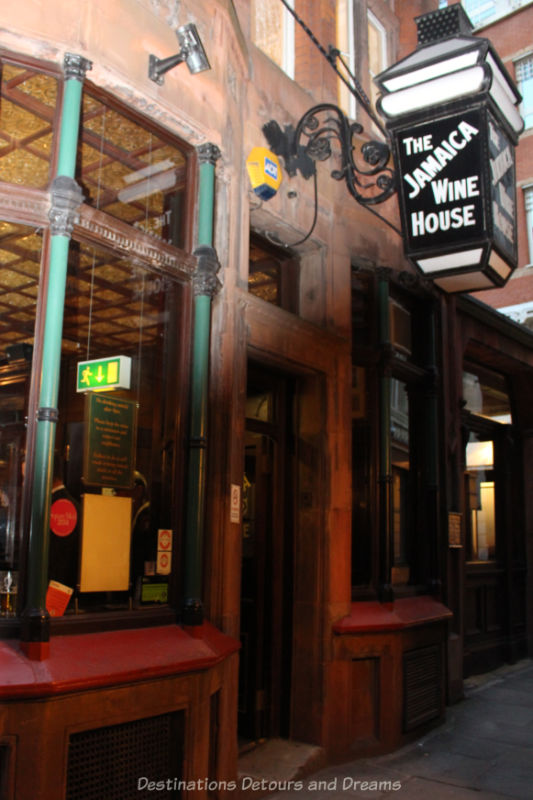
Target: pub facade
{"x": 260, "y": 477}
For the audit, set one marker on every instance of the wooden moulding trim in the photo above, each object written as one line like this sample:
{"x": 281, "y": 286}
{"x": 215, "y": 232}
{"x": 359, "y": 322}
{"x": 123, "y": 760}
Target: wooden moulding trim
{"x": 98, "y": 228}
{"x": 273, "y": 330}
{"x": 369, "y": 615}
{"x": 97, "y": 660}
{"x": 24, "y": 205}
{"x": 31, "y": 207}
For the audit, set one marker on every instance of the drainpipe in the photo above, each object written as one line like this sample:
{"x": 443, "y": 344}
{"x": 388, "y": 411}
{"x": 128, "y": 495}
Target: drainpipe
{"x": 66, "y": 197}
{"x": 431, "y": 459}
{"x": 205, "y": 284}
{"x": 386, "y": 594}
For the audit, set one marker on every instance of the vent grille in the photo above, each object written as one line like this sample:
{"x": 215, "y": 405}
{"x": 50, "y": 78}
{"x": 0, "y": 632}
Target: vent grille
{"x": 422, "y": 671}
{"x": 440, "y": 24}
{"x": 106, "y": 763}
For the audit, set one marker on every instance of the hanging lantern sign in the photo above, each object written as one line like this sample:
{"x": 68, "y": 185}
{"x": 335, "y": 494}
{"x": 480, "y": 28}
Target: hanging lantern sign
{"x": 451, "y": 109}
{"x": 457, "y": 199}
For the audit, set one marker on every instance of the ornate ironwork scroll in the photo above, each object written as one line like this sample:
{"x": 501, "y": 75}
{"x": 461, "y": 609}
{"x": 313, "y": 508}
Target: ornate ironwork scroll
{"x": 369, "y": 178}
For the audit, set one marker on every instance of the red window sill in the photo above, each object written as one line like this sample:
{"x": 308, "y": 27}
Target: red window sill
{"x": 94, "y": 660}
{"x": 369, "y": 615}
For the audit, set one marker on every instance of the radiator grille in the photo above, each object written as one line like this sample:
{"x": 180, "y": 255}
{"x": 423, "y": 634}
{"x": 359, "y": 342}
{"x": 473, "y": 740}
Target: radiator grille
{"x": 422, "y": 671}
{"x": 106, "y": 763}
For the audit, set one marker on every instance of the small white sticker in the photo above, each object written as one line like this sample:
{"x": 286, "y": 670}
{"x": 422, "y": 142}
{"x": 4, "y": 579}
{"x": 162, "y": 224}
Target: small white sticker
{"x": 163, "y": 563}
{"x": 235, "y": 504}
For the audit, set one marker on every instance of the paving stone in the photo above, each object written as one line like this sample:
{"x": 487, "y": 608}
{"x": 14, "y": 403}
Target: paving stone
{"x": 483, "y": 750}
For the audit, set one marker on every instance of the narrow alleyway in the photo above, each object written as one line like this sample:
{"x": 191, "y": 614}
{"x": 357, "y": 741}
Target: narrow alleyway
{"x": 483, "y": 750}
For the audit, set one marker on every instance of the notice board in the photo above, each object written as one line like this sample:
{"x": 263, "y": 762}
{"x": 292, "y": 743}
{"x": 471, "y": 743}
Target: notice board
{"x": 109, "y": 441}
{"x": 105, "y": 543}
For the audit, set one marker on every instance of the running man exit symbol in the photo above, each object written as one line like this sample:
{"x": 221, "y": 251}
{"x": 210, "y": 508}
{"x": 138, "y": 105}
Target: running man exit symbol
{"x": 104, "y": 374}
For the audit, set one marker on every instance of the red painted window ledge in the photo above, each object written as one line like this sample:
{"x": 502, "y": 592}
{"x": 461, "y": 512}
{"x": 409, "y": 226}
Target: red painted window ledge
{"x": 94, "y": 660}
{"x": 407, "y": 612}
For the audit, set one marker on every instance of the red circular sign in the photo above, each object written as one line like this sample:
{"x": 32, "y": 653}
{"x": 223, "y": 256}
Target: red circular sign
{"x": 165, "y": 539}
{"x": 63, "y": 517}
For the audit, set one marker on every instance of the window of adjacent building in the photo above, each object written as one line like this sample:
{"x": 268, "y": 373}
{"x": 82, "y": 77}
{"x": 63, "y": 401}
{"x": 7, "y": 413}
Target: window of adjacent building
{"x": 273, "y": 274}
{"x": 528, "y": 202}
{"x": 117, "y": 459}
{"x": 273, "y": 32}
{"x": 481, "y": 11}
{"x": 377, "y": 52}
{"x": 519, "y": 312}
{"x": 346, "y": 62}
{"x": 485, "y": 12}
{"x": 524, "y": 79}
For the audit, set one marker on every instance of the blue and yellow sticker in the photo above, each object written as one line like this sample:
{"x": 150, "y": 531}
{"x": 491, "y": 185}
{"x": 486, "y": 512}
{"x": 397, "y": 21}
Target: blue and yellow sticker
{"x": 264, "y": 171}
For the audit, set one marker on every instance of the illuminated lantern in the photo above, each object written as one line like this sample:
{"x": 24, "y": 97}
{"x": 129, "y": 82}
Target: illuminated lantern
{"x": 451, "y": 110}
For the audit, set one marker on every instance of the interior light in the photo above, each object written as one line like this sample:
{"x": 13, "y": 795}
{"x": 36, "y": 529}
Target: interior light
{"x": 148, "y": 186}
{"x": 146, "y": 172}
{"x": 440, "y": 90}
{"x": 463, "y": 258}
{"x": 432, "y": 71}
{"x": 479, "y": 454}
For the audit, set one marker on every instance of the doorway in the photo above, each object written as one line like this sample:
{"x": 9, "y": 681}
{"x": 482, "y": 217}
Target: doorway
{"x": 267, "y": 560}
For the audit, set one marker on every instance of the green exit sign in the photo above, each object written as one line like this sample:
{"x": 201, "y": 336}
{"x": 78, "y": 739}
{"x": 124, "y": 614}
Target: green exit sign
{"x": 104, "y": 374}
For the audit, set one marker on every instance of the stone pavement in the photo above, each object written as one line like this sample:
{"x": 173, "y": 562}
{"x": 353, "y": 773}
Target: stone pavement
{"x": 484, "y": 749}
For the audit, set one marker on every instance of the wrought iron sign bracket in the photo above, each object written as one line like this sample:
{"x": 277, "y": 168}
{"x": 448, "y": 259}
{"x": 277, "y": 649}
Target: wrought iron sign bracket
{"x": 369, "y": 183}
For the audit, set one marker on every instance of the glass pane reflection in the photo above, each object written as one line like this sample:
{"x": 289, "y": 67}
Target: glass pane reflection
{"x": 130, "y": 172}
{"x": 27, "y": 111}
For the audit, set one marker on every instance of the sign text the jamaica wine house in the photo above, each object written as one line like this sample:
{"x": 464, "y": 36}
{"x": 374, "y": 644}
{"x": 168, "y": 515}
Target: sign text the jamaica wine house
{"x": 446, "y": 166}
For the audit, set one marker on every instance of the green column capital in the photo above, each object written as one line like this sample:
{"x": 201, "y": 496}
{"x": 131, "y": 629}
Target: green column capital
{"x": 75, "y": 67}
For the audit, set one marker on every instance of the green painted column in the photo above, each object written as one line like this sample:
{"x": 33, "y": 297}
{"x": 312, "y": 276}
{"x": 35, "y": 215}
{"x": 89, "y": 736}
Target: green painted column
{"x": 205, "y": 286}
{"x": 386, "y": 594}
{"x": 66, "y": 197}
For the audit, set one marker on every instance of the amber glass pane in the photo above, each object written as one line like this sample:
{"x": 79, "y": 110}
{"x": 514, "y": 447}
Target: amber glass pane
{"x": 27, "y": 108}
{"x": 130, "y": 172}
{"x": 20, "y": 256}
{"x": 264, "y": 274}
{"x": 20, "y": 253}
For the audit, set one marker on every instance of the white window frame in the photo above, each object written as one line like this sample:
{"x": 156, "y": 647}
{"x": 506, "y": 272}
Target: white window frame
{"x": 288, "y": 41}
{"x": 528, "y": 204}
{"x": 350, "y": 108}
{"x": 524, "y": 71}
{"x": 382, "y": 32}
